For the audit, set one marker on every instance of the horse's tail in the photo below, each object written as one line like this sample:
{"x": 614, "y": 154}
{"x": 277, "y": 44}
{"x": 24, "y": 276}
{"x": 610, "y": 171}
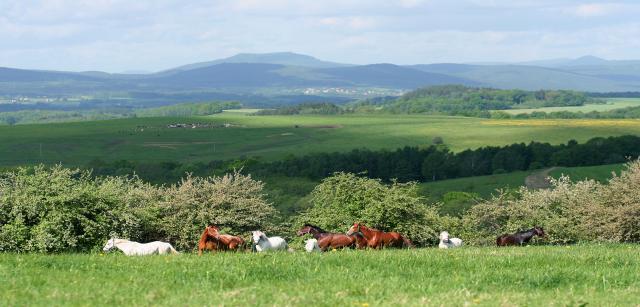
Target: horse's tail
{"x": 244, "y": 245}
{"x": 407, "y": 243}
{"x": 499, "y": 241}
{"x": 173, "y": 250}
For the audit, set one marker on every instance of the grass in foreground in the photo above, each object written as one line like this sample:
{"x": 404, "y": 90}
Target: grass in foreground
{"x": 540, "y": 276}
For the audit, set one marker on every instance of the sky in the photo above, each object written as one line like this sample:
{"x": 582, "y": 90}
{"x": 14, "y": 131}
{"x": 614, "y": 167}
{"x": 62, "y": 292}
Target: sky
{"x": 153, "y": 35}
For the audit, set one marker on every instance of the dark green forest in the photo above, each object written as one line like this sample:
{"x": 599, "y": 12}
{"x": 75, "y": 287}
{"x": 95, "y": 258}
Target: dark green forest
{"x": 430, "y": 163}
{"x": 471, "y": 101}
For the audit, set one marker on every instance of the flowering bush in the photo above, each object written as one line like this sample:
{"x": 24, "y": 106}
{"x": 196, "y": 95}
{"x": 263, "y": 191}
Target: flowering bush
{"x": 569, "y": 211}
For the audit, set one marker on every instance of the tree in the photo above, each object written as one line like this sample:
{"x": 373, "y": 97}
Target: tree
{"x": 434, "y": 166}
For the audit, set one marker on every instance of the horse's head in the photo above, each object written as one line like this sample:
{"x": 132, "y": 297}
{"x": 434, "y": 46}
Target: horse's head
{"x": 444, "y": 237}
{"x": 304, "y": 230}
{"x": 111, "y": 243}
{"x": 257, "y": 235}
{"x": 213, "y": 230}
{"x": 354, "y": 229}
{"x": 539, "y": 231}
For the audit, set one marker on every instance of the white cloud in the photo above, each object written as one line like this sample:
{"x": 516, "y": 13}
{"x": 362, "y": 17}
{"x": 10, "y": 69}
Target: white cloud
{"x": 118, "y": 35}
{"x": 351, "y": 22}
{"x": 595, "y": 9}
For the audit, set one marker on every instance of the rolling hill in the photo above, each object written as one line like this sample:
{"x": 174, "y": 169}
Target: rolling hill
{"x": 261, "y": 77}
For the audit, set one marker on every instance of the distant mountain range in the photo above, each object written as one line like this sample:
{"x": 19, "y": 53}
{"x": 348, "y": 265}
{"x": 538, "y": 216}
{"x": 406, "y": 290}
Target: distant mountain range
{"x": 285, "y": 72}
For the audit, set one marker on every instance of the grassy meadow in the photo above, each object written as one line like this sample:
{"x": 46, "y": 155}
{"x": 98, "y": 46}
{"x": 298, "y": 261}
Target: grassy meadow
{"x": 597, "y": 275}
{"x": 598, "y": 173}
{"x": 273, "y": 137}
{"x": 611, "y": 104}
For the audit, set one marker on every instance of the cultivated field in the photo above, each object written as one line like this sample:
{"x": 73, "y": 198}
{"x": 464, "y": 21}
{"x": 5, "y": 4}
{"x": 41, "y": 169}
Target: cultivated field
{"x": 597, "y": 275}
{"x": 612, "y": 103}
{"x": 273, "y": 137}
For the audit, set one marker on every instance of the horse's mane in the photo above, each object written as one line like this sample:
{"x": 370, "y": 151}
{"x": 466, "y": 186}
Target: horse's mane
{"x": 316, "y": 227}
{"x": 526, "y": 230}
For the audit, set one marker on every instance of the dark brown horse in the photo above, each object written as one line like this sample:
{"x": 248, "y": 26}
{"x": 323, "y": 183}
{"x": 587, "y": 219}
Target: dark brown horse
{"x": 519, "y": 238}
{"x": 327, "y": 240}
{"x": 225, "y": 242}
{"x": 380, "y": 239}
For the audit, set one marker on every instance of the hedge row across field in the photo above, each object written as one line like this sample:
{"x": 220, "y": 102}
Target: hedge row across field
{"x": 56, "y": 209}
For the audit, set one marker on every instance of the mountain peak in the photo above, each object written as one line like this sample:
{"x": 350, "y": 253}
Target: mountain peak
{"x": 587, "y": 60}
{"x": 280, "y": 58}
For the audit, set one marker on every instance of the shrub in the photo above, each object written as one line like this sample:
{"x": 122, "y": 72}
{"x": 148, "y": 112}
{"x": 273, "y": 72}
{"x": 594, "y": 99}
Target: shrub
{"x": 58, "y": 209}
{"x": 234, "y": 201}
{"x": 569, "y": 211}
{"x": 345, "y": 198}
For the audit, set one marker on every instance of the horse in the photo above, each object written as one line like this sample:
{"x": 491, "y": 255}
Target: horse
{"x": 379, "y": 239}
{"x": 311, "y": 246}
{"x": 519, "y": 238}
{"x": 207, "y": 242}
{"x": 445, "y": 242}
{"x": 264, "y": 243}
{"x": 225, "y": 242}
{"x": 328, "y": 240}
{"x": 131, "y": 248}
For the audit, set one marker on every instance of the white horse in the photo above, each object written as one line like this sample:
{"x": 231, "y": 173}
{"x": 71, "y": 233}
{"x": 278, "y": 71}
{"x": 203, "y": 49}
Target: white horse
{"x": 445, "y": 242}
{"x": 311, "y": 246}
{"x": 264, "y": 243}
{"x": 131, "y": 248}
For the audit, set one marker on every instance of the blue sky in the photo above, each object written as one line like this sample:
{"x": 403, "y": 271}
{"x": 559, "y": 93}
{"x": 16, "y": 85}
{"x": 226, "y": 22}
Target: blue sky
{"x": 120, "y": 35}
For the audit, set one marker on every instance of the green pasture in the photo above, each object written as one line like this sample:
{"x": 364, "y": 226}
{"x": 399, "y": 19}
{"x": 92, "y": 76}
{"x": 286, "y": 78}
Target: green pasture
{"x": 599, "y": 173}
{"x": 593, "y": 275}
{"x": 274, "y": 137}
{"x": 612, "y": 103}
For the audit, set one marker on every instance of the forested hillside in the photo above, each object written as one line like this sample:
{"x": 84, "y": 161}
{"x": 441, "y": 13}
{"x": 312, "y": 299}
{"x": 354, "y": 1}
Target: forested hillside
{"x": 473, "y": 101}
{"x": 177, "y": 110}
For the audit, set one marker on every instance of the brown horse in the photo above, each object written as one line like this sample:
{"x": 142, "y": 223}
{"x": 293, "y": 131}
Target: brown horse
{"x": 207, "y": 242}
{"x": 225, "y": 242}
{"x": 519, "y": 238}
{"x": 380, "y": 239}
{"x": 328, "y": 240}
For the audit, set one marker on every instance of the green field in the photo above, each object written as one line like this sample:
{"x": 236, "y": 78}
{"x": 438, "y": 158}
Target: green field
{"x": 272, "y": 137}
{"x": 612, "y": 103}
{"x": 599, "y": 173}
{"x": 487, "y": 185}
{"x": 597, "y": 275}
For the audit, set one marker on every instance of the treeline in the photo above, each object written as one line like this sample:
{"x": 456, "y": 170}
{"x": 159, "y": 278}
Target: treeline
{"x": 472, "y": 101}
{"x": 322, "y": 108}
{"x": 50, "y": 116}
{"x": 615, "y": 95}
{"x": 404, "y": 164}
{"x": 628, "y": 112}
{"x": 437, "y": 163}
{"x": 188, "y": 109}
{"x": 178, "y": 110}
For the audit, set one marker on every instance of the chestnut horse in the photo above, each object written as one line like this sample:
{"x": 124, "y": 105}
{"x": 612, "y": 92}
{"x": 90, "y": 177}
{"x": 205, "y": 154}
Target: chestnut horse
{"x": 227, "y": 242}
{"x": 207, "y": 242}
{"x": 519, "y": 238}
{"x": 328, "y": 240}
{"x": 212, "y": 240}
{"x": 380, "y": 239}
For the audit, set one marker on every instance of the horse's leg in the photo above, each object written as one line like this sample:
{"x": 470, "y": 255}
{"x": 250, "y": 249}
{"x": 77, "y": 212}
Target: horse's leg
{"x": 233, "y": 245}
